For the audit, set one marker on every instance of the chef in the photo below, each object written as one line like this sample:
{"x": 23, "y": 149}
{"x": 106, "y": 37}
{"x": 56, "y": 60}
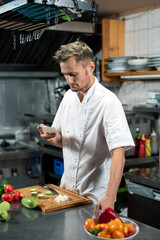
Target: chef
{"x": 93, "y": 130}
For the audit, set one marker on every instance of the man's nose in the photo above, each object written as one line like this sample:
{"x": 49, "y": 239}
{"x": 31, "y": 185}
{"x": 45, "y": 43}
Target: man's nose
{"x": 69, "y": 79}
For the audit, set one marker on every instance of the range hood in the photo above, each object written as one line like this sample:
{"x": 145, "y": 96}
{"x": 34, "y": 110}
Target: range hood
{"x": 31, "y": 15}
{"x": 38, "y": 55}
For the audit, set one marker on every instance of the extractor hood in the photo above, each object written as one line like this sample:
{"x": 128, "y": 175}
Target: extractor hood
{"x": 31, "y": 15}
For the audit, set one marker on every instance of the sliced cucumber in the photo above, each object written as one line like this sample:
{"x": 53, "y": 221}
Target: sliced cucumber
{"x": 34, "y": 194}
{"x": 49, "y": 193}
{"x": 40, "y": 196}
{"x": 33, "y": 190}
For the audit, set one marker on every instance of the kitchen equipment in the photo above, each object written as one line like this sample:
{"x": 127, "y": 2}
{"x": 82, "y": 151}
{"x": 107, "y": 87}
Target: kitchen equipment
{"x": 47, "y": 188}
{"x": 49, "y": 205}
{"x": 42, "y": 15}
{"x": 144, "y": 204}
{"x": 22, "y": 135}
{"x": 125, "y": 220}
{"x": 144, "y": 195}
{"x": 154, "y": 144}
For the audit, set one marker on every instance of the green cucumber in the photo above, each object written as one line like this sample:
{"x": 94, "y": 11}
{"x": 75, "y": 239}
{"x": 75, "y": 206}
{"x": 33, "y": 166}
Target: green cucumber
{"x": 29, "y": 202}
{"x": 3, "y": 215}
{"x": 5, "y": 206}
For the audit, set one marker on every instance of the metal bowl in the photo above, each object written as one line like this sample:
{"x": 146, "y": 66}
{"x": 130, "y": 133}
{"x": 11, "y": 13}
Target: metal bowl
{"x": 125, "y": 220}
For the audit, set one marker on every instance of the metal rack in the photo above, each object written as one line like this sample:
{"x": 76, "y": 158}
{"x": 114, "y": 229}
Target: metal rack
{"x": 33, "y": 15}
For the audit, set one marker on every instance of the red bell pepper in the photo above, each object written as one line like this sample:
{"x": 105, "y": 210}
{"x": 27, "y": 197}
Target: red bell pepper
{"x": 107, "y": 215}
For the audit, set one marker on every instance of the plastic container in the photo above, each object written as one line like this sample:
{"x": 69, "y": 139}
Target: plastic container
{"x": 148, "y": 146}
{"x": 137, "y": 142}
{"x": 154, "y": 143}
{"x": 58, "y": 166}
{"x": 141, "y": 152}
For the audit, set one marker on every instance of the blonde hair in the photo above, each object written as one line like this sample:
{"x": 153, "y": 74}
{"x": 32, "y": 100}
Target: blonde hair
{"x": 80, "y": 50}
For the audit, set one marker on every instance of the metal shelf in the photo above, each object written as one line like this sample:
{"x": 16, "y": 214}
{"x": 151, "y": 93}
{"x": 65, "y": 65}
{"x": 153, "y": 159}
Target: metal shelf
{"x": 30, "y": 15}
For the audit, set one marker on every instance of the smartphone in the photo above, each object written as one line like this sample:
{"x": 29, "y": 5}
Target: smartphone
{"x": 50, "y": 130}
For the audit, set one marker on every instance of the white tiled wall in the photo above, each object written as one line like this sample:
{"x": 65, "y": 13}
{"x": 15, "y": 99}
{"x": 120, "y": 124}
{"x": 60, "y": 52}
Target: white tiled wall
{"x": 142, "y": 31}
{"x": 142, "y": 39}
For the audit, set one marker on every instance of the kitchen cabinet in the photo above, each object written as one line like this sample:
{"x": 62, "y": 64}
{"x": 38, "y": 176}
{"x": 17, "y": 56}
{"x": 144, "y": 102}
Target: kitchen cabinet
{"x": 144, "y": 192}
{"x": 112, "y": 42}
{"x": 113, "y": 45}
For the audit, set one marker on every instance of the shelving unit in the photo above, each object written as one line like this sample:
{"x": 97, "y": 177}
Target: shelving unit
{"x": 125, "y": 76}
{"x": 113, "y": 45}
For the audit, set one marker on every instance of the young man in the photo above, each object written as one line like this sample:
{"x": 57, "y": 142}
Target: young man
{"x": 94, "y": 133}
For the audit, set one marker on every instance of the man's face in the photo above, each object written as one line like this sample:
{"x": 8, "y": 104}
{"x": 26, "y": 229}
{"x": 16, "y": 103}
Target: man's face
{"x": 79, "y": 77}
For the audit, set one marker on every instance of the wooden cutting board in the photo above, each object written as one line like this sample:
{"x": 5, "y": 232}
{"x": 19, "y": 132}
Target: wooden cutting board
{"x": 48, "y": 204}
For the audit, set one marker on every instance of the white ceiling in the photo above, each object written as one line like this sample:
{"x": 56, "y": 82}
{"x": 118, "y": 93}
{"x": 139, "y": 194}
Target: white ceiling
{"x": 108, "y": 8}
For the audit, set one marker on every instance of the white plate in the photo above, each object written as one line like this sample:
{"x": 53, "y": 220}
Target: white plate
{"x": 136, "y": 62}
{"x": 154, "y": 58}
{"x": 125, "y": 220}
{"x": 50, "y": 130}
{"x": 117, "y": 70}
{"x": 120, "y": 59}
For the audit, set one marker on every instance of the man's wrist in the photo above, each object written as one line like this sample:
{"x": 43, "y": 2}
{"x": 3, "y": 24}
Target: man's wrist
{"x": 110, "y": 197}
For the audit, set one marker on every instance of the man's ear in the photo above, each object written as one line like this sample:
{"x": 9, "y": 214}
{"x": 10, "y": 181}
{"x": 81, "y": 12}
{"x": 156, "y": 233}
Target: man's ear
{"x": 92, "y": 66}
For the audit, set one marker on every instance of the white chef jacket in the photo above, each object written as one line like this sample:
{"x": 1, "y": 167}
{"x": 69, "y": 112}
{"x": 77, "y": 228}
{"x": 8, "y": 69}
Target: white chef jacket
{"x": 90, "y": 130}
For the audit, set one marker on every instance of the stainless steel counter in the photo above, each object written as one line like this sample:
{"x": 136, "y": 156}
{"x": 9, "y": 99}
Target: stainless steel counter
{"x": 65, "y": 224}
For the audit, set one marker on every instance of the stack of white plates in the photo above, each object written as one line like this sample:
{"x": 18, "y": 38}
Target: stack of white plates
{"x": 154, "y": 62}
{"x": 118, "y": 64}
{"x": 139, "y": 64}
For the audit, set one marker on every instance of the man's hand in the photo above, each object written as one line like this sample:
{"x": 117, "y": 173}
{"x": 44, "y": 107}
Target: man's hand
{"x": 102, "y": 204}
{"x": 50, "y": 137}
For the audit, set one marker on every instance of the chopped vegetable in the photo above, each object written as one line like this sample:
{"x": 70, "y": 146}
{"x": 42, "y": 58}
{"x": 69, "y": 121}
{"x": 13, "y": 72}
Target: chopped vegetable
{"x": 34, "y": 194}
{"x": 61, "y": 198}
{"x": 49, "y": 193}
{"x": 33, "y": 190}
{"x": 40, "y": 196}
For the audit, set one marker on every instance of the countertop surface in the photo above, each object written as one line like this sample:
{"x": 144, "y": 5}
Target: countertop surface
{"x": 67, "y": 224}
{"x": 149, "y": 177}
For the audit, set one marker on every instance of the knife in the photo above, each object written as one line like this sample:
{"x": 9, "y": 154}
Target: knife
{"x": 47, "y": 188}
